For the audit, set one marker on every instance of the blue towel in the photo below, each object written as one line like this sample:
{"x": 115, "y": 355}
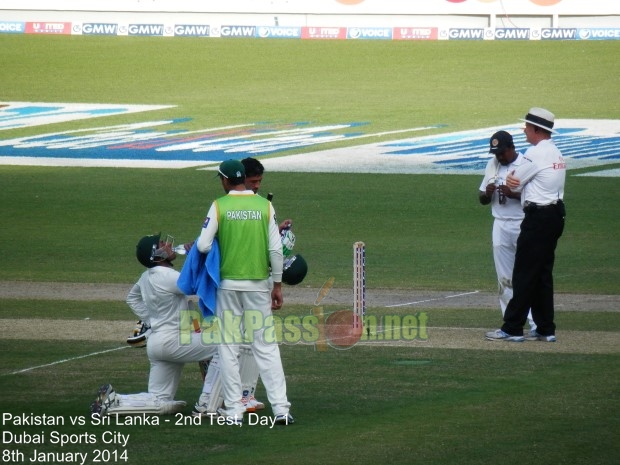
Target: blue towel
{"x": 200, "y": 276}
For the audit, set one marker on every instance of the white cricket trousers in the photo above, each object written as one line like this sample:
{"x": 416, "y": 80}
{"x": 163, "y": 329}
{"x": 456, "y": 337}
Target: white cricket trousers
{"x": 505, "y": 235}
{"x": 168, "y": 356}
{"x": 256, "y": 304}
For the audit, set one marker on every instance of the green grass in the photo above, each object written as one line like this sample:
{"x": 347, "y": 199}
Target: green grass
{"x": 369, "y": 404}
{"x": 81, "y": 225}
{"x": 393, "y": 85}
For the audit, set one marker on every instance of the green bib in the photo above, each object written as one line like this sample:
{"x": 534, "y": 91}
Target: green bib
{"x": 243, "y": 234}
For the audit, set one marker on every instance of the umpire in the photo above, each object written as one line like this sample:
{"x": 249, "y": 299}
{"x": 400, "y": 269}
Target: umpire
{"x": 540, "y": 179}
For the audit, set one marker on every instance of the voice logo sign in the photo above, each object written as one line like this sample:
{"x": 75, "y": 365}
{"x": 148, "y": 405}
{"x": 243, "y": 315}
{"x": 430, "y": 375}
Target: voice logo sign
{"x": 369, "y": 33}
{"x": 10, "y": 27}
{"x": 599, "y": 34}
{"x": 279, "y": 32}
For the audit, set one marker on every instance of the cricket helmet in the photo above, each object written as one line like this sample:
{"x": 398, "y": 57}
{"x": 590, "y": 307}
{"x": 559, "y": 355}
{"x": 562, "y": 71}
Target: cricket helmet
{"x": 295, "y": 270}
{"x": 145, "y": 250}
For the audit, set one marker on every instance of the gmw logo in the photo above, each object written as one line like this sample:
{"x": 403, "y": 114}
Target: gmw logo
{"x": 192, "y": 30}
{"x": 99, "y": 29}
{"x": 512, "y": 33}
{"x": 238, "y": 31}
{"x": 146, "y": 30}
{"x": 466, "y": 34}
{"x": 558, "y": 34}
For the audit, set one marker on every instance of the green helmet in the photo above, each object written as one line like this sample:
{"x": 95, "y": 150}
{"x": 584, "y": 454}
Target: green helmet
{"x": 295, "y": 269}
{"x": 146, "y": 248}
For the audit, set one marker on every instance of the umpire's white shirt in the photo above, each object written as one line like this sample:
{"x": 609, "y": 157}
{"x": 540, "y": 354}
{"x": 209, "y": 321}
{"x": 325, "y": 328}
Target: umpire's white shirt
{"x": 542, "y": 174}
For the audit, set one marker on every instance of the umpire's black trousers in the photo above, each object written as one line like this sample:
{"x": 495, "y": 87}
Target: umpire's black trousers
{"x": 532, "y": 276}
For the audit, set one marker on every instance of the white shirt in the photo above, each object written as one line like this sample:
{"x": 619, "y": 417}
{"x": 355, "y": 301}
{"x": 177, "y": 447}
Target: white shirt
{"x": 511, "y": 209}
{"x": 542, "y": 174}
{"x": 156, "y": 298}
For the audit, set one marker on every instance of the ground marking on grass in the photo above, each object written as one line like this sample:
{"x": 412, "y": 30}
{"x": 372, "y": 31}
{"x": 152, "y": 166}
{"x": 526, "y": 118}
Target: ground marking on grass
{"x": 431, "y": 300}
{"x": 67, "y": 360}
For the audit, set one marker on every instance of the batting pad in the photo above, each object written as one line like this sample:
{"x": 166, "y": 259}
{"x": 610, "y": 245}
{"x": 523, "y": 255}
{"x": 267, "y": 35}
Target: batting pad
{"x": 145, "y": 404}
{"x": 213, "y": 385}
{"x": 248, "y": 369}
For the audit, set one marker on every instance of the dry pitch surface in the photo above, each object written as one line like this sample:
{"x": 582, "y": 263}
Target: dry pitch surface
{"x": 589, "y": 342}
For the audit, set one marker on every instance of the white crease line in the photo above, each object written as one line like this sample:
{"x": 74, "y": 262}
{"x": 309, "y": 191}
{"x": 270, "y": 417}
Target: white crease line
{"x": 66, "y": 360}
{"x": 431, "y": 300}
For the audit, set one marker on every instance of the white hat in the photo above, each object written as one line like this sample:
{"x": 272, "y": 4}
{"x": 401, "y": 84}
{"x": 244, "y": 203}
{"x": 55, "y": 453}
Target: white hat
{"x": 541, "y": 118}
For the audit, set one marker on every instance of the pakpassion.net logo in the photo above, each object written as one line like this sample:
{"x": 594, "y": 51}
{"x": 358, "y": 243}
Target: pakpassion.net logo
{"x": 340, "y": 329}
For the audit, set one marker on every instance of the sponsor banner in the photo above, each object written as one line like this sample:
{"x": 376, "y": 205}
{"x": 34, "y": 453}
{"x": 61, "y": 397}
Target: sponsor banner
{"x": 145, "y": 29}
{"x": 415, "y": 33}
{"x": 309, "y": 32}
{"x": 512, "y": 33}
{"x": 48, "y": 28}
{"x": 384, "y": 33}
{"x": 192, "y": 30}
{"x": 12, "y": 27}
{"x": 555, "y": 34}
{"x": 323, "y": 32}
{"x": 238, "y": 31}
{"x": 96, "y": 29}
{"x": 278, "y": 32}
{"x": 599, "y": 34}
{"x": 460, "y": 33}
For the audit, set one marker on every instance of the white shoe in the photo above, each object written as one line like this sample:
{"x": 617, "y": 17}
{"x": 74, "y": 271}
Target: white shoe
{"x": 140, "y": 334}
{"x": 534, "y": 336}
{"x": 499, "y": 335}
{"x": 201, "y": 407}
{"x": 234, "y": 419}
{"x": 173, "y": 407}
{"x": 106, "y": 399}
{"x": 284, "y": 419}
{"x": 251, "y": 404}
